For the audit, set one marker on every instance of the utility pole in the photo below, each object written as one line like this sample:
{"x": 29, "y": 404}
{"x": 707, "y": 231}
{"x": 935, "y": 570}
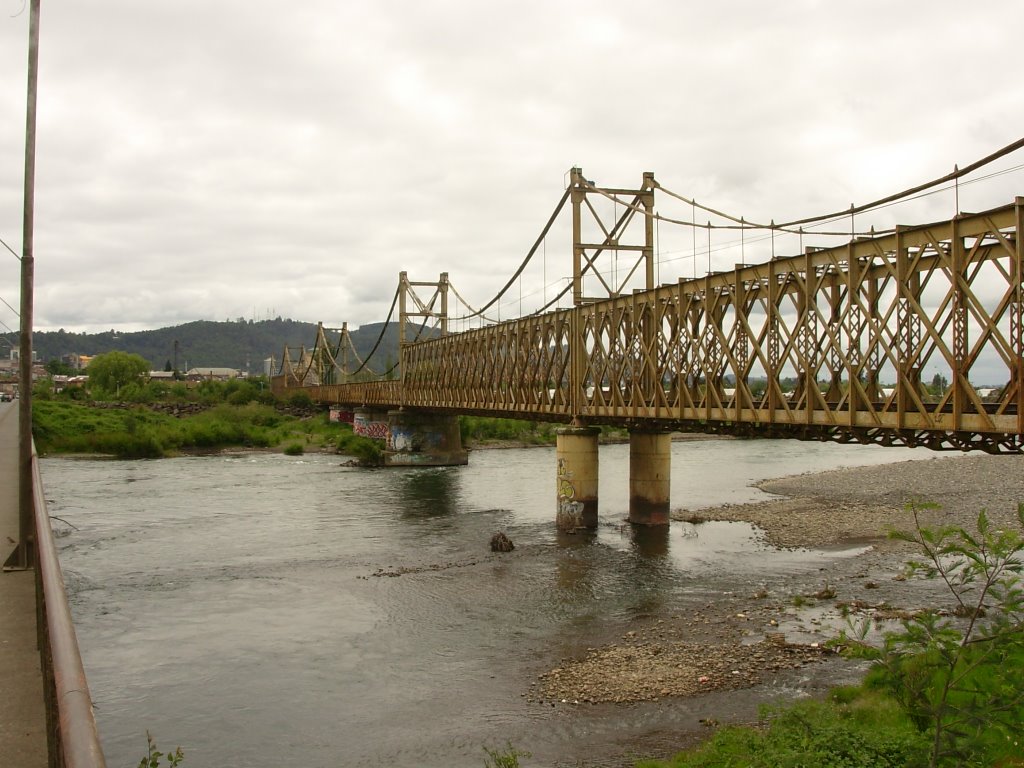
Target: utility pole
{"x": 24, "y": 555}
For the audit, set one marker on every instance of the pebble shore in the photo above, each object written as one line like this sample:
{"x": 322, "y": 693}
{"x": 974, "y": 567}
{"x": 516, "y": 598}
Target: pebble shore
{"x": 738, "y": 642}
{"x": 864, "y": 503}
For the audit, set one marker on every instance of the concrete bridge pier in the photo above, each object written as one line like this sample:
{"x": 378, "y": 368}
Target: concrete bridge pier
{"x": 650, "y": 464}
{"x": 576, "y": 449}
{"x": 423, "y": 439}
{"x": 370, "y": 422}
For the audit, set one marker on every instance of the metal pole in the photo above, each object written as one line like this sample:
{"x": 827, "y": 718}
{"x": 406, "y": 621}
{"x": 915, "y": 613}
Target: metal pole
{"x": 24, "y": 553}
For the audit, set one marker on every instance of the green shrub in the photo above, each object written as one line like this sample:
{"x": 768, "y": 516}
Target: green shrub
{"x": 294, "y": 449}
{"x": 152, "y": 758}
{"x": 864, "y": 731}
{"x": 504, "y": 758}
{"x": 368, "y": 452}
{"x": 960, "y": 678}
{"x": 300, "y": 400}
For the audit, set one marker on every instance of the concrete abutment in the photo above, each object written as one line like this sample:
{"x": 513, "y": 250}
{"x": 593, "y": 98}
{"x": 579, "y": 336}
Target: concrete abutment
{"x": 413, "y": 438}
{"x": 423, "y": 439}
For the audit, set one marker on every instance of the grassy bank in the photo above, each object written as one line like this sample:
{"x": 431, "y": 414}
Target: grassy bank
{"x": 140, "y": 432}
{"x": 480, "y": 431}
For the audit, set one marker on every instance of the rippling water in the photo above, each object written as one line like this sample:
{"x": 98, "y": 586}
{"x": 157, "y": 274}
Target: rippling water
{"x": 265, "y": 610}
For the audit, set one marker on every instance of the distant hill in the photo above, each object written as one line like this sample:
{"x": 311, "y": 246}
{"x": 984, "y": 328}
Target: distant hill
{"x": 243, "y": 345}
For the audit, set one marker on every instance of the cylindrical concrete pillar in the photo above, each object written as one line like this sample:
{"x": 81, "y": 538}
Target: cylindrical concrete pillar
{"x": 577, "y": 478}
{"x": 650, "y": 464}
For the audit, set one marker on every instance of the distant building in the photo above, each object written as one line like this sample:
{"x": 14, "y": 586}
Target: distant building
{"x": 213, "y": 374}
{"x": 76, "y": 361}
{"x": 60, "y": 383}
{"x": 16, "y": 355}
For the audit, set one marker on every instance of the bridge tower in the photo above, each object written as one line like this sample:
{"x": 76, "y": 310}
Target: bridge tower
{"x": 597, "y": 242}
{"x": 418, "y": 437}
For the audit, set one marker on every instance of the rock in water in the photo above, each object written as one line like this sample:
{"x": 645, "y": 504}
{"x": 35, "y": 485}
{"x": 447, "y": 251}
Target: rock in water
{"x": 501, "y": 543}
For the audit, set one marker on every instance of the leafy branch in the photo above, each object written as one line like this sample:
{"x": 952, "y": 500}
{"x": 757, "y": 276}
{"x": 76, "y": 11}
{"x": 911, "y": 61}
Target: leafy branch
{"x": 960, "y": 674}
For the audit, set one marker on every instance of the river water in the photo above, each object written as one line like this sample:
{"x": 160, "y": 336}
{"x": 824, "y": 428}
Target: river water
{"x": 266, "y": 610}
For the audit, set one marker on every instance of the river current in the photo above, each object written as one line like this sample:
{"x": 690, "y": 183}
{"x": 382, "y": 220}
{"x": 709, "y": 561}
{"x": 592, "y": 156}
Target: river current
{"x": 265, "y": 610}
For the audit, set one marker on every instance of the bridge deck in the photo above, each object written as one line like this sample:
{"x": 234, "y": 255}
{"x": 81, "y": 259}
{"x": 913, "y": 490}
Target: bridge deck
{"x": 22, "y": 715}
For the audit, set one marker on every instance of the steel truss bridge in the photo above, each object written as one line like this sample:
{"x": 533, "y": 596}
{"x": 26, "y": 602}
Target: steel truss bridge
{"x": 831, "y": 344}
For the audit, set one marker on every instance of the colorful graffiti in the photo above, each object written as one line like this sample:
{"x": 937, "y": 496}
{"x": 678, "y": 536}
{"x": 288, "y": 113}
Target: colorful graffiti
{"x": 569, "y": 515}
{"x": 364, "y": 427}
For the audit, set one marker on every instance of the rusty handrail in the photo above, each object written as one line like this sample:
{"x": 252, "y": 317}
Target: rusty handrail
{"x": 72, "y": 737}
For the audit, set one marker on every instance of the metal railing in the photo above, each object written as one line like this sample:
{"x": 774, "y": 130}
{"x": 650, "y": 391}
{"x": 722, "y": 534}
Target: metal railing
{"x": 72, "y": 738}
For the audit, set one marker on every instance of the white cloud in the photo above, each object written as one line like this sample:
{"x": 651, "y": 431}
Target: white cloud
{"x": 210, "y": 160}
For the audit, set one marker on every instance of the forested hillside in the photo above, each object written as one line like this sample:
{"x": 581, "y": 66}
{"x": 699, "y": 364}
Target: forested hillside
{"x": 243, "y": 344}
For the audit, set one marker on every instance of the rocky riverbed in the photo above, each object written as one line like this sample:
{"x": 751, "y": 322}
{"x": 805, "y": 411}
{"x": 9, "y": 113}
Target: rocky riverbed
{"x": 765, "y": 641}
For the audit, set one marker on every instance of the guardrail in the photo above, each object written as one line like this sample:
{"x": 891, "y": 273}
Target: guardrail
{"x": 72, "y": 738}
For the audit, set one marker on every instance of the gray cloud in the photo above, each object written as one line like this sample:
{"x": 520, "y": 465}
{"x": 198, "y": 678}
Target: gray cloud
{"x": 213, "y": 160}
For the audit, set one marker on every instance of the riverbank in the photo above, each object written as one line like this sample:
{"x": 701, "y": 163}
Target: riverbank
{"x": 863, "y": 503}
{"x": 764, "y": 641}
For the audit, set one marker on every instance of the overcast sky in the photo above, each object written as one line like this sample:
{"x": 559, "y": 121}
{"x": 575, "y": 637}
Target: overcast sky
{"x": 249, "y": 159}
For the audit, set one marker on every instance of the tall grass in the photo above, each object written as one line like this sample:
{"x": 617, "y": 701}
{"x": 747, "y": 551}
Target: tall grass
{"x": 68, "y": 427}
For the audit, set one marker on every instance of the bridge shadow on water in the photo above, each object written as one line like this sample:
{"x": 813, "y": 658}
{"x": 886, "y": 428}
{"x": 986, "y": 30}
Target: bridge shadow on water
{"x": 637, "y": 578}
{"x": 428, "y": 493}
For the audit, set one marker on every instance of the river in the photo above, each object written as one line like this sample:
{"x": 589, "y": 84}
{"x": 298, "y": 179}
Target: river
{"x": 265, "y": 610}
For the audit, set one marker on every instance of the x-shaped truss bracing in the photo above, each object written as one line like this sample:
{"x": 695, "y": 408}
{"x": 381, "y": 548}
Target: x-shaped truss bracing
{"x": 881, "y": 340}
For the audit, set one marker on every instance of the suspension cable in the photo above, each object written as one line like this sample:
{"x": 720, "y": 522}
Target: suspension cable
{"x": 956, "y": 174}
{"x": 529, "y": 256}
{"x": 786, "y": 227}
{"x": 466, "y": 304}
{"x": 13, "y": 252}
{"x": 380, "y": 337}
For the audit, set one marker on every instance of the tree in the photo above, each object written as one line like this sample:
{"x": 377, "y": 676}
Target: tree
{"x": 57, "y": 368}
{"x": 939, "y": 384}
{"x": 111, "y": 371}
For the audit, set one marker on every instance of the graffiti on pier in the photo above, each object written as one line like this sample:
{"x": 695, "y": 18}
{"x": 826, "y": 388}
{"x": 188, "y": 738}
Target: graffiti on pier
{"x": 364, "y": 427}
{"x": 570, "y": 511}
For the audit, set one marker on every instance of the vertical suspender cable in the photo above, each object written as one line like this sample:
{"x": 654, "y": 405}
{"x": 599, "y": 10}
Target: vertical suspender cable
{"x": 615, "y": 256}
{"x": 956, "y": 191}
{"x": 657, "y": 247}
{"x": 709, "y": 246}
{"x": 693, "y": 230}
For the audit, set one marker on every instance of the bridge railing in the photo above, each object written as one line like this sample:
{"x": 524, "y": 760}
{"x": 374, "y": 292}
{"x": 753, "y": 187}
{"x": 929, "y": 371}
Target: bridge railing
{"x": 798, "y": 345}
{"x": 72, "y": 738}
{"x": 380, "y": 394}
